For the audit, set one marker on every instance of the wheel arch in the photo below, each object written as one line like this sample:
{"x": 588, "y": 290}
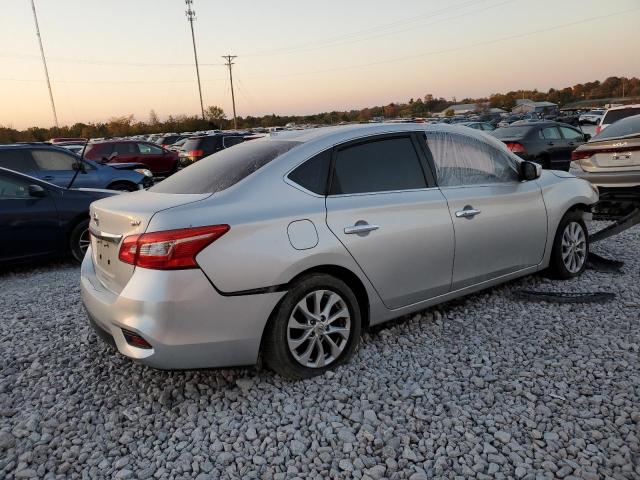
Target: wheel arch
{"x": 339, "y": 272}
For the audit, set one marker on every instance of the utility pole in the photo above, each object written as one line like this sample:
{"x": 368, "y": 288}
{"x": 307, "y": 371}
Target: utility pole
{"x": 229, "y": 64}
{"x": 191, "y": 16}
{"x": 44, "y": 62}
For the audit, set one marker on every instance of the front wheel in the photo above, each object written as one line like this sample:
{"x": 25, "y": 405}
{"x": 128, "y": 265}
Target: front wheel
{"x": 315, "y": 328}
{"x": 570, "y": 247}
{"x": 79, "y": 240}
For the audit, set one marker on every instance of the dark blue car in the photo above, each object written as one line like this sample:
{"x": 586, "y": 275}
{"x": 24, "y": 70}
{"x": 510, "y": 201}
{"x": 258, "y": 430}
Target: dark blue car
{"x": 59, "y": 166}
{"x": 39, "y": 219}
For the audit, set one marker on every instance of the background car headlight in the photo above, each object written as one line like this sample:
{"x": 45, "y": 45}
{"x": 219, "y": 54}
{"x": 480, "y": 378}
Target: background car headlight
{"x": 144, "y": 171}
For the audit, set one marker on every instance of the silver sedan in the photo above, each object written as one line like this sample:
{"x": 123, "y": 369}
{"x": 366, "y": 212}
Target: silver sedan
{"x": 288, "y": 246}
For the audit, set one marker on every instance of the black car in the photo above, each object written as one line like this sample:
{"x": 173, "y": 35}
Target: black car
{"x": 39, "y": 219}
{"x": 167, "y": 140}
{"x": 196, "y": 148}
{"x": 548, "y": 143}
{"x": 59, "y": 166}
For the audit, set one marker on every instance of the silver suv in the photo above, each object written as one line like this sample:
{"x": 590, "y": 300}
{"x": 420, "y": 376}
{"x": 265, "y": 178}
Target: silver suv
{"x": 289, "y": 245}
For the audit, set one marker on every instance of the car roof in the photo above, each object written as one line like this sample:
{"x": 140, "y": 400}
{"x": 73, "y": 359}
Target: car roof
{"x": 622, "y": 107}
{"x": 344, "y": 133}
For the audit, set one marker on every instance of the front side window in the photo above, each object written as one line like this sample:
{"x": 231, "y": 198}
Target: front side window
{"x": 378, "y": 166}
{"x": 462, "y": 160}
{"x": 146, "y": 149}
{"x": 571, "y": 134}
{"x": 13, "y": 188}
{"x": 52, "y": 160}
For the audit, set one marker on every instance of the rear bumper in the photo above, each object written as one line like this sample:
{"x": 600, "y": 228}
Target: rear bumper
{"x": 619, "y": 179}
{"x": 185, "y": 320}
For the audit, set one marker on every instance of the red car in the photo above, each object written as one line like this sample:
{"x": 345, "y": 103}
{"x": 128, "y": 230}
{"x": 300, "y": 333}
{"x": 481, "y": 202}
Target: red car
{"x": 159, "y": 160}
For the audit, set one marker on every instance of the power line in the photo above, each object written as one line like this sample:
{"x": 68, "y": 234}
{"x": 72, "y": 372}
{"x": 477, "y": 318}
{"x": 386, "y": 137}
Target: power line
{"x": 191, "y": 16}
{"x": 44, "y": 63}
{"x": 230, "y": 64}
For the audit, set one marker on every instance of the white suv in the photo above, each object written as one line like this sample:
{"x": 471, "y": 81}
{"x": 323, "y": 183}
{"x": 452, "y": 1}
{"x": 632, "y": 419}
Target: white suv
{"x": 617, "y": 113}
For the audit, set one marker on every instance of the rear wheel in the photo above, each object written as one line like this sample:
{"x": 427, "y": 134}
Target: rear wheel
{"x": 79, "y": 240}
{"x": 570, "y": 247}
{"x": 315, "y": 328}
{"x": 123, "y": 187}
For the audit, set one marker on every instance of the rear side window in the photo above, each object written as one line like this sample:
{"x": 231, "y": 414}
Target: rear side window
{"x": 16, "y": 160}
{"x": 378, "y": 166}
{"x": 313, "y": 174}
{"x": 52, "y": 160}
{"x": 148, "y": 149}
{"x": 126, "y": 148}
{"x": 511, "y": 132}
{"x": 231, "y": 141}
{"x": 571, "y": 134}
{"x": 550, "y": 133}
{"x": 12, "y": 188}
{"x": 224, "y": 169}
{"x": 615, "y": 115}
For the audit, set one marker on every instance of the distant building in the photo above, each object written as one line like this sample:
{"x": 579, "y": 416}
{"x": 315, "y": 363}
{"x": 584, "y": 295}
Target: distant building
{"x": 460, "y": 109}
{"x": 529, "y": 106}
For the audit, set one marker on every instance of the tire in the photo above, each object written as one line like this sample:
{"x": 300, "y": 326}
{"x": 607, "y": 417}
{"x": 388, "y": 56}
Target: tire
{"x": 79, "y": 240}
{"x": 570, "y": 247}
{"x": 298, "y": 353}
{"x": 123, "y": 187}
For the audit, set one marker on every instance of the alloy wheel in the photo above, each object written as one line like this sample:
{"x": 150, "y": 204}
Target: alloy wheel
{"x": 319, "y": 328}
{"x": 84, "y": 241}
{"x": 574, "y": 247}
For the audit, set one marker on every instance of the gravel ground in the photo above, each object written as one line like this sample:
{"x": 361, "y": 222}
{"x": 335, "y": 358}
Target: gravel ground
{"x": 485, "y": 387}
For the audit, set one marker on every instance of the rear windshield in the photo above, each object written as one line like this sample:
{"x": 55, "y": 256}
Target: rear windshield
{"x": 512, "y": 132}
{"x": 615, "y": 115}
{"x": 221, "y": 170}
{"x": 623, "y": 128}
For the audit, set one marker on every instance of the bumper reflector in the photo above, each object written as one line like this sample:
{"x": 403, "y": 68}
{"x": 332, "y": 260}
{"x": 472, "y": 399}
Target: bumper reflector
{"x": 135, "y": 340}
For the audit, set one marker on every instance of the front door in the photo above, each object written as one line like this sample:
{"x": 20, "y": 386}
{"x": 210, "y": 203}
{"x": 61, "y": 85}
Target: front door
{"x": 500, "y": 222}
{"x": 394, "y": 224}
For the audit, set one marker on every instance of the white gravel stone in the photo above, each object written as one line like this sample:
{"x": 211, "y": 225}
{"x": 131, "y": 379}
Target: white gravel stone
{"x": 487, "y": 386}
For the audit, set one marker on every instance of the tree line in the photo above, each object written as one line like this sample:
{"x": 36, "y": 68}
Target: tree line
{"x": 612, "y": 87}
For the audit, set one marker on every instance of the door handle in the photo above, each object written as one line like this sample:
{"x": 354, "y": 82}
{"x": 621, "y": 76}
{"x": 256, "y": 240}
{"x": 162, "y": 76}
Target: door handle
{"x": 360, "y": 228}
{"x": 467, "y": 213}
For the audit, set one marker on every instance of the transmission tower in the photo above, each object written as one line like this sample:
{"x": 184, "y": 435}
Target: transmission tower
{"x": 191, "y": 17}
{"x": 230, "y": 64}
{"x": 44, "y": 62}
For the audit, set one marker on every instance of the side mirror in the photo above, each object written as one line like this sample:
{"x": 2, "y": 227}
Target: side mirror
{"x": 530, "y": 170}
{"x": 587, "y": 137}
{"x": 37, "y": 191}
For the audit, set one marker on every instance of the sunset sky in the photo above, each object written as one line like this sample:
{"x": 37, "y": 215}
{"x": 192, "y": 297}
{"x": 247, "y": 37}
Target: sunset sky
{"x": 117, "y": 57}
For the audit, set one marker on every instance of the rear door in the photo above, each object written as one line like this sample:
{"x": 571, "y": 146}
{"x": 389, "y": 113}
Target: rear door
{"x": 500, "y": 223}
{"x": 28, "y": 225}
{"x": 554, "y": 145}
{"x": 386, "y": 211}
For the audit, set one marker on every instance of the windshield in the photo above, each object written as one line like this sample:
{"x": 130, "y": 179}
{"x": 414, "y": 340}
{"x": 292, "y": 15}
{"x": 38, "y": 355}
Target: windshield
{"x": 221, "y": 170}
{"x": 622, "y": 128}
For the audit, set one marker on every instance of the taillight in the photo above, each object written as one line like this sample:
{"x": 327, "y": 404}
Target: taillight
{"x": 195, "y": 153}
{"x": 598, "y": 129}
{"x": 171, "y": 249}
{"x": 579, "y": 155}
{"x": 515, "y": 147}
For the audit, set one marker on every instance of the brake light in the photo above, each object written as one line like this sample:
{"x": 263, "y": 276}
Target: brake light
{"x": 171, "y": 249}
{"x": 195, "y": 153}
{"x": 515, "y": 147}
{"x": 598, "y": 129}
{"x": 578, "y": 155}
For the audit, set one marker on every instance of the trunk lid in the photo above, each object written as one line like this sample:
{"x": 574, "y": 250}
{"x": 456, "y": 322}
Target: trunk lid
{"x": 115, "y": 218}
{"x": 619, "y": 154}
